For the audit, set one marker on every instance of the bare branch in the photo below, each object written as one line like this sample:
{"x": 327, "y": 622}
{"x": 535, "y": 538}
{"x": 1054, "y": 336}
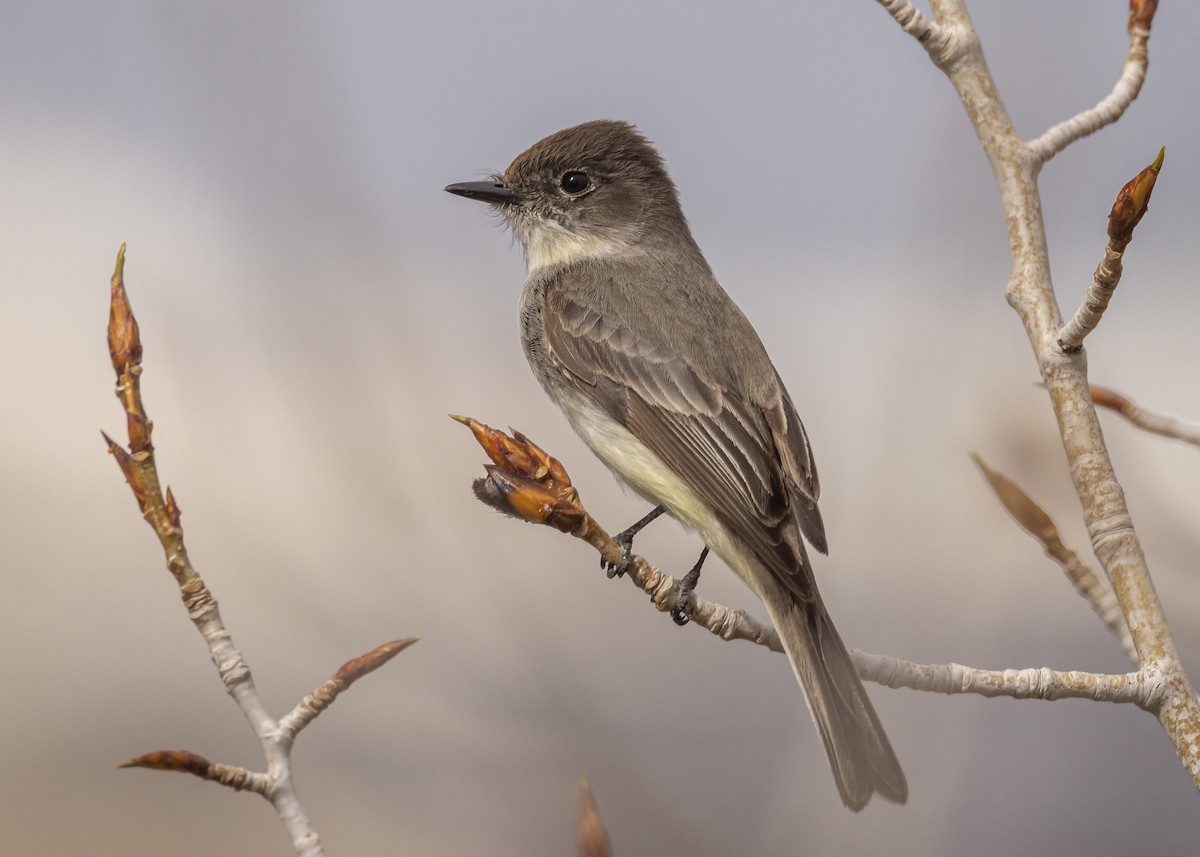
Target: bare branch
{"x": 308, "y": 708}
{"x": 526, "y": 483}
{"x": 550, "y": 499}
{"x": 1112, "y": 106}
{"x": 1132, "y": 203}
{"x": 186, "y": 762}
{"x": 1104, "y": 283}
{"x": 1139, "y": 688}
{"x": 1114, "y": 540}
{"x": 930, "y": 35}
{"x": 1143, "y": 419}
{"x": 1034, "y": 520}
{"x": 163, "y": 514}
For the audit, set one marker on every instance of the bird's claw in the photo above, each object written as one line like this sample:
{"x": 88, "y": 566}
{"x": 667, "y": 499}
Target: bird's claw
{"x": 625, "y": 540}
{"x": 687, "y": 588}
{"x": 680, "y": 614}
{"x": 618, "y": 569}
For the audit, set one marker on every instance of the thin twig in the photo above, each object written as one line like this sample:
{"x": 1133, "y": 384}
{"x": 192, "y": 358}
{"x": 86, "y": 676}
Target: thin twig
{"x": 1139, "y": 688}
{"x": 323, "y": 696}
{"x": 913, "y": 22}
{"x": 1034, "y": 520}
{"x": 1160, "y": 424}
{"x": 186, "y": 762}
{"x": 163, "y": 515}
{"x": 525, "y": 482}
{"x": 1113, "y": 106}
{"x": 162, "y": 512}
{"x": 1132, "y": 202}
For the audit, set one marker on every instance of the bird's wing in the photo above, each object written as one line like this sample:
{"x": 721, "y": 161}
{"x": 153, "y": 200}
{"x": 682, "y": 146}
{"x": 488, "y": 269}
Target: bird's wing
{"x": 751, "y": 463}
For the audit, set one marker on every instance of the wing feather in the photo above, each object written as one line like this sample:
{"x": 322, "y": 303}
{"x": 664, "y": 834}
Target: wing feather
{"x": 752, "y": 464}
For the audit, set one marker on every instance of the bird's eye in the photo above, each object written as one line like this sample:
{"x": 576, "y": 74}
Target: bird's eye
{"x": 575, "y": 182}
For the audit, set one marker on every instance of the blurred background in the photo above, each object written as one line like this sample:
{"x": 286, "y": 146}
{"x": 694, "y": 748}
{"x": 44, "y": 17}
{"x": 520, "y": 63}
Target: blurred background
{"x": 313, "y": 305}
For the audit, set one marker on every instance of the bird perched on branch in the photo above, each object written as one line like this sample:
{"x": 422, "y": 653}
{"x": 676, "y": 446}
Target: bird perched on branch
{"x": 663, "y": 377}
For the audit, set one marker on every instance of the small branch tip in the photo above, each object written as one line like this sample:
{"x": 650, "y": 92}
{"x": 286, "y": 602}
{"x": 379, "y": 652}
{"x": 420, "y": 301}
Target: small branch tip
{"x": 1133, "y": 200}
{"x": 119, "y": 270}
{"x": 1141, "y": 13}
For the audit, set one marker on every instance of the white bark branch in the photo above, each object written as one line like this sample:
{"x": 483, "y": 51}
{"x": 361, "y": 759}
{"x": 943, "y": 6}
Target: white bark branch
{"x": 162, "y": 513}
{"x": 1016, "y": 166}
{"x": 1104, "y": 284}
{"x": 1141, "y": 689}
{"x": 1108, "y": 110}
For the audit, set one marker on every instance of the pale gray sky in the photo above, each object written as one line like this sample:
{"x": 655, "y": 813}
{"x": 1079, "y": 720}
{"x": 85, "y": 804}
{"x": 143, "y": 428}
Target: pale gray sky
{"x": 312, "y": 305}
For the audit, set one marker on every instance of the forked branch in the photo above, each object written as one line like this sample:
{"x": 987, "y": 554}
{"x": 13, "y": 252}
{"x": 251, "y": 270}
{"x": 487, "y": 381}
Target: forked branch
{"x": 163, "y": 514}
{"x": 1016, "y": 165}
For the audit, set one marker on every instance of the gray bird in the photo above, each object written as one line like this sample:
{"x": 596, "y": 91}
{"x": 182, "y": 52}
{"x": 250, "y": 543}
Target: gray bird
{"x": 663, "y": 377}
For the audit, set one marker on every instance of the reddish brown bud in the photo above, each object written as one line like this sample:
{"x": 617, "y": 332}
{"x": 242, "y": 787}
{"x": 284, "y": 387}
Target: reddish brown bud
{"x": 125, "y": 349}
{"x": 500, "y": 448}
{"x": 124, "y": 342}
{"x": 173, "y": 511}
{"x": 1132, "y": 201}
{"x": 356, "y": 668}
{"x": 1141, "y": 13}
{"x": 554, "y": 474}
{"x": 534, "y": 502}
{"x": 525, "y": 480}
{"x": 171, "y": 760}
{"x": 1032, "y": 517}
{"x": 129, "y": 467}
{"x": 1111, "y": 399}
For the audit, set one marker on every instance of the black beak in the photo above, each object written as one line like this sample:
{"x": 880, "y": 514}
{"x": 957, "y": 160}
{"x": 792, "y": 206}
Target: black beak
{"x": 493, "y": 192}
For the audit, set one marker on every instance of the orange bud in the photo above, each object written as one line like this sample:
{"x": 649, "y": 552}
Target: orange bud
{"x": 1106, "y": 398}
{"x": 1032, "y": 517}
{"x": 171, "y": 760}
{"x": 173, "y": 512}
{"x": 356, "y": 668}
{"x": 534, "y": 502}
{"x": 554, "y": 471}
{"x": 500, "y": 448}
{"x": 1141, "y": 13}
{"x": 124, "y": 342}
{"x": 1133, "y": 201}
{"x": 129, "y": 467}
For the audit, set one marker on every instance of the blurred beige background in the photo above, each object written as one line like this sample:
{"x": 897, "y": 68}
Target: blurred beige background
{"x": 312, "y": 306}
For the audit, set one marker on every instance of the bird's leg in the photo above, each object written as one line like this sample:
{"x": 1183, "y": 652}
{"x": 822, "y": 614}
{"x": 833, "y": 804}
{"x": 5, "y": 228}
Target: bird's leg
{"x": 688, "y": 585}
{"x": 625, "y": 540}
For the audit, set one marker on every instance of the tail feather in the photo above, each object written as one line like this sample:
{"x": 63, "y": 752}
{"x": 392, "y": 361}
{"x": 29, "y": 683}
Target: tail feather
{"x": 862, "y": 759}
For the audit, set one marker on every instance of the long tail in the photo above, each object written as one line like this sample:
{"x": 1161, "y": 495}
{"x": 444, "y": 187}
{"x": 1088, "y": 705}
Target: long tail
{"x": 862, "y": 759}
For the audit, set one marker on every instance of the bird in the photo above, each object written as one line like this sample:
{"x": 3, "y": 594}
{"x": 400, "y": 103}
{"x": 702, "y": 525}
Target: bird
{"x": 661, "y": 374}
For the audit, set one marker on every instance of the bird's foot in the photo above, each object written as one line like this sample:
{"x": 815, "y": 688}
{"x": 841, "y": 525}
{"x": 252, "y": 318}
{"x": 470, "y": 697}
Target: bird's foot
{"x": 625, "y": 540}
{"x": 688, "y": 587}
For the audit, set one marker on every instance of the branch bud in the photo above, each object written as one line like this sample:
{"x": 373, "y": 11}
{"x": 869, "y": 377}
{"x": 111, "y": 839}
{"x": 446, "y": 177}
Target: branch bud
{"x": 129, "y": 467}
{"x": 124, "y": 341}
{"x": 183, "y": 761}
{"x": 1132, "y": 201}
{"x": 1141, "y": 13}
{"x": 524, "y": 480}
{"x": 356, "y": 668}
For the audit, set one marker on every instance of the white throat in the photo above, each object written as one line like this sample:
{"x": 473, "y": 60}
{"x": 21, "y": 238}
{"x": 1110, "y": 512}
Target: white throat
{"x": 549, "y": 244}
